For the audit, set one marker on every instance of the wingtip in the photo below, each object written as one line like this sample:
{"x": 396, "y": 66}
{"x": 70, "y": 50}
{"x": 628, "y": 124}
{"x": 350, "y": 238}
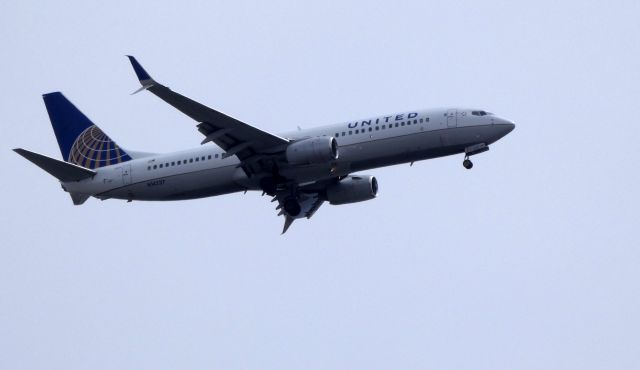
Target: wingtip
{"x": 137, "y": 68}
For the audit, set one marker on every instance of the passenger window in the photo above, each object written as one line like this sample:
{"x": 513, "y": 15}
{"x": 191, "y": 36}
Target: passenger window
{"x": 396, "y": 124}
{"x": 370, "y": 129}
{"x": 337, "y": 134}
{"x": 343, "y": 133}
{"x": 173, "y": 164}
{"x": 426, "y": 119}
{"x": 420, "y": 120}
{"x": 160, "y": 165}
{"x": 383, "y": 127}
{"x": 197, "y": 159}
{"x": 415, "y": 121}
{"x": 216, "y": 155}
{"x": 357, "y": 131}
{"x": 155, "y": 166}
{"x": 149, "y": 168}
{"x": 377, "y": 128}
{"x": 190, "y": 160}
{"x": 402, "y": 124}
{"x": 350, "y": 132}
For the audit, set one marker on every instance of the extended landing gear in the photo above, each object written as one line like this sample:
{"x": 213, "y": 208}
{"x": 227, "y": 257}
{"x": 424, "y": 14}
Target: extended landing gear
{"x": 292, "y": 207}
{"x": 473, "y": 150}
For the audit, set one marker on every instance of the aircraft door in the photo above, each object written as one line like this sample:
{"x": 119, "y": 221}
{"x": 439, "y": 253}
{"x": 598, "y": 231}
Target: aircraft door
{"x": 126, "y": 174}
{"x": 452, "y": 118}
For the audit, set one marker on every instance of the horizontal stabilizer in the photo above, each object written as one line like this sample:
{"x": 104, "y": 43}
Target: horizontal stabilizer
{"x": 63, "y": 171}
{"x": 79, "y": 198}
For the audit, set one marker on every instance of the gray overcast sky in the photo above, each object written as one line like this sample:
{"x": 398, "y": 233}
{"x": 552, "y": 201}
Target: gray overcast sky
{"x": 528, "y": 261}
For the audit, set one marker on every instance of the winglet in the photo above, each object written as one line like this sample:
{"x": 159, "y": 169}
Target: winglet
{"x": 140, "y": 72}
{"x": 142, "y": 75}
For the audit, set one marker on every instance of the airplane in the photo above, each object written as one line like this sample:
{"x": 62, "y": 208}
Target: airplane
{"x": 300, "y": 169}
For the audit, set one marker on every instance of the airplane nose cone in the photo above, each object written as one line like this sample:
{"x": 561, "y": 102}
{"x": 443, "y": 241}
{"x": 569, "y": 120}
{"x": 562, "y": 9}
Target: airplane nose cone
{"x": 501, "y": 128}
{"x": 506, "y": 125}
{"x": 510, "y": 127}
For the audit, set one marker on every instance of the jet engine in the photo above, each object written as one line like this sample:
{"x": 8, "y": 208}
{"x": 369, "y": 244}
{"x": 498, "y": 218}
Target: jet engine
{"x": 352, "y": 189}
{"x": 315, "y": 150}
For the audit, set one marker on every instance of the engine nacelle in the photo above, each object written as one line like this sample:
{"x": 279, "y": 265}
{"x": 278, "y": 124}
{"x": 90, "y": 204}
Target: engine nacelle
{"x": 352, "y": 189}
{"x": 315, "y": 150}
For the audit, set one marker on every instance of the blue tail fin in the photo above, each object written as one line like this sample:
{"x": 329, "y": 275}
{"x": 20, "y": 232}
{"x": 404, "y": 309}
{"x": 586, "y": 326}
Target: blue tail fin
{"x": 81, "y": 142}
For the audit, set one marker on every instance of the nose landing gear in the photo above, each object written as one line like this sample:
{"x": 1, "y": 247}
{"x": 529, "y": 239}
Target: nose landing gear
{"x": 472, "y": 150}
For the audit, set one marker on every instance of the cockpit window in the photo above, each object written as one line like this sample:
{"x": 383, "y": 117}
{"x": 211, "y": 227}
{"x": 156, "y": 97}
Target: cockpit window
{"x": 481, "y": 113}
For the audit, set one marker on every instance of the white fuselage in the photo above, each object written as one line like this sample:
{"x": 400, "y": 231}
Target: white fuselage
{"x": 363, "y": 144}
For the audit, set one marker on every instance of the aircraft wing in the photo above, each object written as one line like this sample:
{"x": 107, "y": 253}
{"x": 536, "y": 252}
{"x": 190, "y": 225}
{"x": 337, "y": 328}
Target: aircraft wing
{"x": 234, "y": 136}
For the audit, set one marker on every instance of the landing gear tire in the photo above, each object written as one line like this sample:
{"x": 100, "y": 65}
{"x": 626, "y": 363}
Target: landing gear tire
{"x": 268, "y": 185}
{"x": 467, "y": 164}
{"x": 292, "y": 207}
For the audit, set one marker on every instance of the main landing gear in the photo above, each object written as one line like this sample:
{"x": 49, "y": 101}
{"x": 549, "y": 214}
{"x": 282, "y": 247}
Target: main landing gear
{"x": 292, "y": 207}
{"x": 275, "y": 186}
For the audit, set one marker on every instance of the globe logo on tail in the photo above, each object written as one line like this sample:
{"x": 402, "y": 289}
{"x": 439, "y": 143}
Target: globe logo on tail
{"x": 94, "y": 149}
